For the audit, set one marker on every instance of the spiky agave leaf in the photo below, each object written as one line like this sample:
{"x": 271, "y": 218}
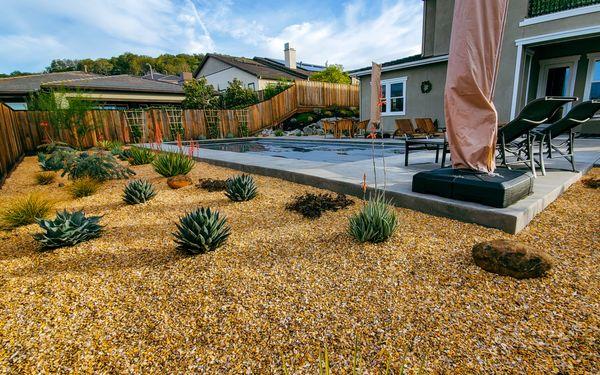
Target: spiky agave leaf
{"x": 241, "y": 188}
{"x": 375, "y": 222}
{"x": 68, "y": 229}
{"x": 169, "y": 164}
{"x": 138, "y": 191}
{"x": 201, "y": 231}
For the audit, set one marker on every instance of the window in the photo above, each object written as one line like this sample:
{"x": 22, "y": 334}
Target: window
{"x": 592, "y": 86}
{"x": 251, "y": 86}
{"x": 393, "y": 93}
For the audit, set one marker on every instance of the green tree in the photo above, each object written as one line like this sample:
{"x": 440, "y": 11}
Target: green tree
{"x": 332, "y": 74}
{"x": 200, "y": 95}
{"x": 66, "y": 110}
{"x": 237, "y": 96}
{"x": 273, "y": 89}
{"x": 62, "y": 65}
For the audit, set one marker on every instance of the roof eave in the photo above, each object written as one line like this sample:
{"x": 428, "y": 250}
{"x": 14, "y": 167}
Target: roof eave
{"x": 410, "y": 64}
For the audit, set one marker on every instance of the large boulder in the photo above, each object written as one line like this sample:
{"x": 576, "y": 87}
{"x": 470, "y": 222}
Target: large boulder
{"x": 177, "y": 182}
{"x": 511, "y": 258}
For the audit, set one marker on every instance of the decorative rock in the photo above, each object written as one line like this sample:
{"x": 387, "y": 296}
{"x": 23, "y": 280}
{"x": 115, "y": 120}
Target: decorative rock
{"x": 177, "y": 182}
{"x": 511, "y": 258}
{"x": 60, "y": 184}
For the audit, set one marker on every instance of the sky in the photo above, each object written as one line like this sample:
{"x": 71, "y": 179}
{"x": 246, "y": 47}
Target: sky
{"x": 352, "y": 33}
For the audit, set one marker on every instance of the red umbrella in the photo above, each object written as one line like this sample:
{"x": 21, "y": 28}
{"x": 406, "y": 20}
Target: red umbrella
{"x": 471, "y": 118}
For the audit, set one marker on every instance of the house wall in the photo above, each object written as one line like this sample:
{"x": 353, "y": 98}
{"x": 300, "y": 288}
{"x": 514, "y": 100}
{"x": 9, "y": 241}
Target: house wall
{"x": 219, "y": 74}
{"x": 437, "y": 26}
{"x": 417, "y": 104}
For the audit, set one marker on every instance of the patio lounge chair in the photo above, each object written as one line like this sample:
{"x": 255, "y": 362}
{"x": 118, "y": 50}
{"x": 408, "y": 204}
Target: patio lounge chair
{"x": 544, "y": 134}
{"x": 535, "y": 113}
{"x": 361, "y": 126}
{"x": 426, "y": 125}
{"x": 328, "y": 126}
{"x": 404, "y": 128}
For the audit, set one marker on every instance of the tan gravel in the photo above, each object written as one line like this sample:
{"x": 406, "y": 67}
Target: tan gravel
{"x": 284, "y": 287}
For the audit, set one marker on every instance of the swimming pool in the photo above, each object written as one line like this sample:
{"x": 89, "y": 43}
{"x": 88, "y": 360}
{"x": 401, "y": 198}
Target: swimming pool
{"x": 330, "y": 152}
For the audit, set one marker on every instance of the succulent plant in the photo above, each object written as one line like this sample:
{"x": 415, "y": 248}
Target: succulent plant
{"x": 140, "y": 156}
{"x": 138, "y": 191}
{"x": 170, "y": 164}
{"x": 100, "y": 166}
{"x": 375, "y": 222}
{"x": 241, "y": 188}
{"x": 68, "y": 229}
{"x": 56, "y": 160}
{"x": 201, "y": 231}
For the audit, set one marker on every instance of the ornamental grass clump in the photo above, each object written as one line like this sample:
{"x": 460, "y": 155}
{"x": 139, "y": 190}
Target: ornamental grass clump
{"x": 68, "y": 229}
{"x": 240, "y": 188}
{"x": 84, "y": 187}
{"x": 140, "y": 156}
{"x": 172, "y": 164}
{"x": 375, "y": 222}
{"x": 312, "y": 206}
{"x": 45, "y": 178}
{"x": 100, "y": 166}
{"x": 201, "y": 231}
{"x": 25, "y": 210}
{"x": 138, "y": 191}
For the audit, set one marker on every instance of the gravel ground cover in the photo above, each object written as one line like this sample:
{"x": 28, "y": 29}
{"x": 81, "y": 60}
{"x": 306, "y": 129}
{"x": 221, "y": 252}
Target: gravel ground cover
{"x": 283, "y": 288}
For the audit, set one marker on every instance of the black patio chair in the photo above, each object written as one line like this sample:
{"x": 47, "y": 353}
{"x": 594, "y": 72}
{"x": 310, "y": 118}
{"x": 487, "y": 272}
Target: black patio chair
{"x": 535, "y": 113}
{"x": 544, "y": 134}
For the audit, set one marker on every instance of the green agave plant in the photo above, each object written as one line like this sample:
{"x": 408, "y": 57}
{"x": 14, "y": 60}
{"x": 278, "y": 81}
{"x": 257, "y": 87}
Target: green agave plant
{"x": 241, "y": 188}
{"x": 138, "y": 191}
{"x": 172, "y": 164}
{"x": 201, "y": 231}
{"x": 375, "y": 222}
{"x": 140, "y": 156}
{"x": 68, "y": 229}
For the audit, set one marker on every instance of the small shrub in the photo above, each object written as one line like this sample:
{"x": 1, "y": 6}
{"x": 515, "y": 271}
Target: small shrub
{"x": 138, "y": 191}
{"x": 230, "y": 135}
{"x": 110, "y": 145}
{"x": 45, "y": 178}
{"x": 56, "y": 160}
{"x": 100, "y": 166}
{"x": 201, "y": 231}
{"x": 172, "y": 164}
{"x": 375, "y": 222}
{"x": 140, "y": 156}
{"x": 49, "y": 148}
{"x": 212, "y": 185}
{"x": 240, "y": 188}
{"x": 25, "y": 210}
{"x": 125, "y": 154}
{"x": 68, "y": 229}
{"x": 591, "y": 182}
{"x": 84, "y": 187}
{"x": 312, "y": 206}
{"x": 279, "y": 133}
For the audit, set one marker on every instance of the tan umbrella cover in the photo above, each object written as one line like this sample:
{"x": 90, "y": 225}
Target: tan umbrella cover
{"x": 375, "y": 97}
{"x": 471, "y": 118}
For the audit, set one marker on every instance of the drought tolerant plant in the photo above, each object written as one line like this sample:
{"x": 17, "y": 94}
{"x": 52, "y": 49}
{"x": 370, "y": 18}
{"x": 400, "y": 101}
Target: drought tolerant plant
{"x": 55, "y": 161}
{"x": 240, "y": 188}
{"x": 201, "y": 231}
{"x": 279, "y": 133}
{"x": 138, "y": 191}
{"x": 312, "y": 206}
{"x": 170, "y": 164}
{"x": 110, "y": 145}
{"x": 68, "y": 229}
{"x": 45, "y": 178}
{"x": 140, "y": 156}
{"x": 375, "y": 222}
{"x": 84, "y": 187}
{"x": 212, "y": 185}
{"x": 100, "y": 166}
{"x": 48, "y": 148}
{"x": 25, "y": 210}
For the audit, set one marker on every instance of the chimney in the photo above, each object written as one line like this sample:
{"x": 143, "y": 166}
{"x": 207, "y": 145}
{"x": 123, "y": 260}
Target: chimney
{"x": 186, "y": 76}
{"x": 290, "y": 56}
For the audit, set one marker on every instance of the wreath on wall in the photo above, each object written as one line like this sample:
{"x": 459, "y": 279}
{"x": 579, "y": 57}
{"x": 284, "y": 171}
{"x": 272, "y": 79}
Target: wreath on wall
{"x": 426, "y": 87}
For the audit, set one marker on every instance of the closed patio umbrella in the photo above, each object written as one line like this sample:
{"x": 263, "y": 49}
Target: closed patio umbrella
{"x": 471, "y": 118}
{"x": 375, "y": 97}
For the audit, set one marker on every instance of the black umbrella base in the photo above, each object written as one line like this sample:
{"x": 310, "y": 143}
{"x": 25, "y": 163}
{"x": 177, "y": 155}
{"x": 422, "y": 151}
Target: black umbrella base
{"x": 500, "y": 190}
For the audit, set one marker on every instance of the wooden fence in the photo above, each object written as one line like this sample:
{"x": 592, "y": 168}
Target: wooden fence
{"x": 22, "y": 131}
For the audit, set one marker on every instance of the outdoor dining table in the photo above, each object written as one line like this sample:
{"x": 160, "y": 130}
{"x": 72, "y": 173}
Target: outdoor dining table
{"x": 438, "y": 143}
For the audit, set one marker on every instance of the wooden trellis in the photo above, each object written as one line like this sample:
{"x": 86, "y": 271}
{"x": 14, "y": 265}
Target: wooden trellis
{"x": 175, "y": 117}
{"x": 241, "y": 117}
{"x": 136, "y": 121}
{"x": 213, "y": 123}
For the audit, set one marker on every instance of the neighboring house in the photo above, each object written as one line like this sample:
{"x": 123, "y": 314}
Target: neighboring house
{"x": 169, "y": 78}
{"x": 549, "y": 48}
{"x": 254, "y": 73}
{"x": 119, "y": 91}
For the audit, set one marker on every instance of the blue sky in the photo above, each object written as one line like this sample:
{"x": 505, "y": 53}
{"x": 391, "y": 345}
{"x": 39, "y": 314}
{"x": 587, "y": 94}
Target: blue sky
{"x": 352, "y": 33}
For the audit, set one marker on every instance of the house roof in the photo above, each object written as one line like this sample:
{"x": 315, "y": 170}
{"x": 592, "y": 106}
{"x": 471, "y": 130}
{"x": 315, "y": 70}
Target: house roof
{"x": 169, "y": 78}
{"x": 86, "y": 81}
{"x": 260, "y": 67}
{"x": 303, "y": 68}
{"x": 402, "y": 63}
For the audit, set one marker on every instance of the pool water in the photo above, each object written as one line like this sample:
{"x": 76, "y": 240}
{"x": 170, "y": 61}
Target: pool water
{"x": 328, "y": 152}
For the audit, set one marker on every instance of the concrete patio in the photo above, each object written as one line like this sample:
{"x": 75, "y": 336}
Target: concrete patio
{"x": 347, "y": 178}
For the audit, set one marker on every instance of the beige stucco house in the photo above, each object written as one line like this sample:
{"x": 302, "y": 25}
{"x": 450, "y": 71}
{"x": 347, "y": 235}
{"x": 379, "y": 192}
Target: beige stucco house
{"x": 549, "y": 48}
{"x": 255, "y": 73}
